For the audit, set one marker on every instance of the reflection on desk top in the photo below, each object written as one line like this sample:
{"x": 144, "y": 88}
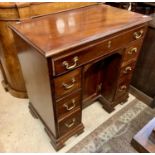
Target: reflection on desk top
{"x": 54, "y": 33}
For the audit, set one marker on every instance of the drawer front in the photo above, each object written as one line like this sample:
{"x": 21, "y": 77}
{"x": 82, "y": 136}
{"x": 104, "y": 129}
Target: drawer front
{"x": 69, "y": 123}
{"x": 127, "y": 70}
{"x": 132, "y": 52}
{"x": 67, "y": 83}
{"x": 70, "y": 61}
{"x": 124, "y": 79}
{"x": 68, "y": 104}
{"x": 123, "y": 86}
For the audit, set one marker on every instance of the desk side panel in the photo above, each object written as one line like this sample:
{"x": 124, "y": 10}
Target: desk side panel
{"x": 36, "y": 75}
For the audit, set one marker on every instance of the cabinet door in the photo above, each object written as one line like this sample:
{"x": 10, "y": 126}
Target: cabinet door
{"x": 92, "y": 80}
{"x": 100, "y": 78}
{"x": 112, "y": 70}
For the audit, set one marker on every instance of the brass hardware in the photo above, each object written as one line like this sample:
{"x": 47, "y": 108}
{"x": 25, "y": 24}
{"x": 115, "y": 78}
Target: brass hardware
{"x": 18, "y": 22}
{"x": 70, "y": 124}
{"x": 123, "y": 87}
{"x": 70, "y": 108}
{"x": 138, "y": 35}
{"x": 66, "y": 64}
{"x": 99, "y": 87}
{"x": 109, "y": 44}
{"x": 127, "y": 69}
{"x": 133, "y": 50}
{"x": 66, "y": 86}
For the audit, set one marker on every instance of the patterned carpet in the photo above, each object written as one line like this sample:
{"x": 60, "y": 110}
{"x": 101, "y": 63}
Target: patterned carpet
{"x": 115, "y": 135}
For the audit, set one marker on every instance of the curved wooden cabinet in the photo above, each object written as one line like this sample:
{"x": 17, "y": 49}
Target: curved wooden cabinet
{"x": 12, "y": 12}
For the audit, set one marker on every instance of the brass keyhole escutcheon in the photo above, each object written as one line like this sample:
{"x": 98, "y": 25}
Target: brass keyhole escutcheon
{"x": 109, "y": 44}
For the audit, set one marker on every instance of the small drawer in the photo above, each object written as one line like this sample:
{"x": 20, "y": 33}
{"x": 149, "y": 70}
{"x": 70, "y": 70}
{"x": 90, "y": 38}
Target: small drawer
{"x": 131, "y": 52}
{"x": 75, "y": 58}
{"x": 68, "y": 104}
{"x": 69, "y": 123}
{"x": 139, "y": 33}
{"x": 122, "y": 89}
{"x": 127, "y": 70}
{"x": 123, "y": 86}
{"x": 67, "y": 83}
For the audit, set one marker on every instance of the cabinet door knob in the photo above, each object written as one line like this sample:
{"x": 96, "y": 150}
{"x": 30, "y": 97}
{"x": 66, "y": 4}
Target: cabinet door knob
{"x": 69, "y": 125}
{"x": 70, "y": 108}
{"x": 67, "y": 86}
{"x": 66, "y": 64}
{"x": 133, "y": 50}
{"x": 127, "y": 69}
{"x": 138, "y": 34}
{"x": 123, "y": 87}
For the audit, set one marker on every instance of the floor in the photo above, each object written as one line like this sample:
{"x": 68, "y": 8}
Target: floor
{"x": 20, "y": 132}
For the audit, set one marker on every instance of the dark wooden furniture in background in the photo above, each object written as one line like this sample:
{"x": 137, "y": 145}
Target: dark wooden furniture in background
{"x": 146, "y": 8}
{"x": 73, "y": 58}
{"x": 12, "y": 75}
{"x": 144, "y": 140}
{"x": 143, "y": 83}
{"x": 144, "y": 74}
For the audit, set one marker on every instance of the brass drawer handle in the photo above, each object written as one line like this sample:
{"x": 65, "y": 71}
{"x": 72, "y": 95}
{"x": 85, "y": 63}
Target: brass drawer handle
{"x": 66, "y": 64}
{"x": 123, "y": 87}
{"x": 138, "y": 35}
{"x": 66, "y": 86}
{"x": 69, "y": 125}
{"x": 127, "y": 69}
{"x": 70, "y": 108}
{"x": 133, "y": 50}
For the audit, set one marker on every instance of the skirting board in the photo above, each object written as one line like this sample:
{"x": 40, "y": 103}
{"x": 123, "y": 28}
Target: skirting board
{"x": 142, "y": 96}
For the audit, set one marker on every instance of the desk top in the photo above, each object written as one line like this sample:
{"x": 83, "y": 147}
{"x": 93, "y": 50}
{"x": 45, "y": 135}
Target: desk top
{"x": 57, "y": 32}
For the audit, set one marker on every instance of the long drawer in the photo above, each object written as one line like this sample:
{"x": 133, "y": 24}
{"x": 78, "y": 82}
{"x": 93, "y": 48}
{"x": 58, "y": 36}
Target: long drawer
{"x": 62, "y": 64}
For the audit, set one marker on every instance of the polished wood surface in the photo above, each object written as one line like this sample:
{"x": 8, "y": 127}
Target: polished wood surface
{"x": 65, "y": 85}
{"x": 144, "y": 140}
{"x": 98, "y": 68}
{"x": 10, "y": 11}
{"x": 13, "y": 79}
{"x": 65, "y": 106}
{"x": 38, "y": 90}
{"x": 70, "y": 122}
{"x": 85, "y": 25}
{"x": 132, "y": 52}
{"x": 100, "y": 48}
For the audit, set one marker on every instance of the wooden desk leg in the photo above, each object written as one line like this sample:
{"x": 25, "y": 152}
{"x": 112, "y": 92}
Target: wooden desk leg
{"x": 106, "y": 104}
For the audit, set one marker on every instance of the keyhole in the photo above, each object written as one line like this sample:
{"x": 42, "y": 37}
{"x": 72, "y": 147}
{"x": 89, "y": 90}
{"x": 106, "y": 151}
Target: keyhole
{"x": 109, "y": 44}
{"x": 99, "y": 87}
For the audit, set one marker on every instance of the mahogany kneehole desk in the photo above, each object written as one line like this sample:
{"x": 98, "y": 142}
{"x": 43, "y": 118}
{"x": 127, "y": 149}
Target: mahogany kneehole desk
{"x": 73, "y": 58}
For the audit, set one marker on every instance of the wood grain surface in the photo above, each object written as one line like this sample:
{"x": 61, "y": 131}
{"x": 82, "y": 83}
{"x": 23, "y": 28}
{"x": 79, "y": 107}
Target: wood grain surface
{"x": 54, "y": 33}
